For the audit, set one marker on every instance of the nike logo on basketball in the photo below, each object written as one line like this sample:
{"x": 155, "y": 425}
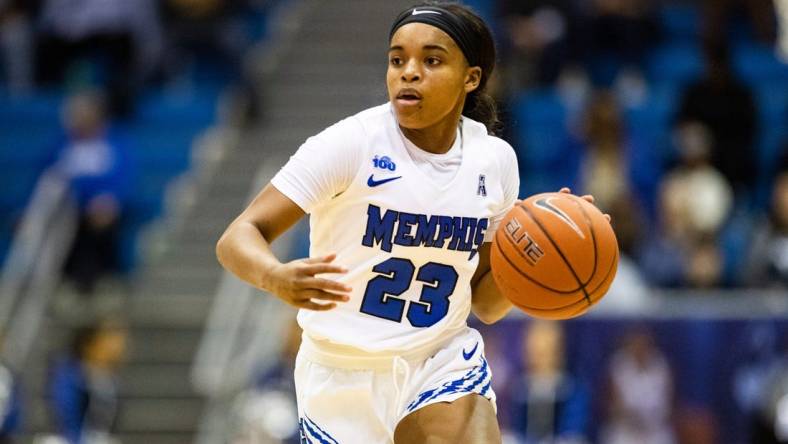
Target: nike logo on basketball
{"x": 469, "y": 354}
{"x": 373, "y": 183}
{"x": 545, "y": 204}
{"x": 417, "y": 12}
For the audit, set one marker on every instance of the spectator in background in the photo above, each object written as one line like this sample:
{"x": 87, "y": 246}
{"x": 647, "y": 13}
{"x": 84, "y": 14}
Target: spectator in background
{"x": 538, "y": 40}
{"x": 94, "y": 160}
{"x": 695, "y": 202}
{"x": 629, "y": 292}
{"x": 718, "y": 14}
{"x": 16, "y": 44}
{"x": 619, "y": 33}
{"x": 203, "y": 30}
{"x": 83, "y": 385}
{"x": 640, "y": 398}
{"x": 772, "y": 421}
{"x": 111, "y": 42}
{"x": 726, "y": 106}
{"x": 613, "y": 167}
{"x": 756, "y": 360}
{"x": 768, "y": 264}
{"x": 550, "y": 405}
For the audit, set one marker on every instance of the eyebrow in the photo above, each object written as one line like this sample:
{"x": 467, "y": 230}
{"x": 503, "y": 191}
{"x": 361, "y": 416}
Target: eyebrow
{"x": 433, "y": 47}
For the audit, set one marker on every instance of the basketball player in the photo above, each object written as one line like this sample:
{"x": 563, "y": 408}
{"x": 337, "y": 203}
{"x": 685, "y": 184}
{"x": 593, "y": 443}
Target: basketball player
{"x": 404, "y": 199}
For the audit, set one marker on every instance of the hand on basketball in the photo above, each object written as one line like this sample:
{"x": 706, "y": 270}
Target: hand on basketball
{"x": 295, "y": 283}
{"x": 588, "y": 198}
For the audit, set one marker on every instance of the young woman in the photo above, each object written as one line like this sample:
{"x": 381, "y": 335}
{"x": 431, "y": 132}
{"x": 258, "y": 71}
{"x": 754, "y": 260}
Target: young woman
{"x": 404, "y": 199}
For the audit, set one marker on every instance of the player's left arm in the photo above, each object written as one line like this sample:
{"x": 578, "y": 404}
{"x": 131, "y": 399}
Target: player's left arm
{"x": 488, "y": 303}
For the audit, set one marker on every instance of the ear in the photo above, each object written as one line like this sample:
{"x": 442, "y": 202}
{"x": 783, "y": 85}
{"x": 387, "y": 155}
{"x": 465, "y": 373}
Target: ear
{"x": 473, "y": 78}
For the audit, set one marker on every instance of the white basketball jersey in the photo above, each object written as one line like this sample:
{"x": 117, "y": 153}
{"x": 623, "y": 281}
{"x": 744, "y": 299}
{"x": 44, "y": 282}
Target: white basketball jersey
{"x": 411, "y": 245}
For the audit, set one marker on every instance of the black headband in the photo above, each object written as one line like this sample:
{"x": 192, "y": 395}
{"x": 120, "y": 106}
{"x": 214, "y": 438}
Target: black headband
{"x": 448, "y": 22}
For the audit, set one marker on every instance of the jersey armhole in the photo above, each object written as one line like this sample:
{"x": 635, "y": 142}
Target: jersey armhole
{"x": 362, "y": 157}
{"x": 298, "y": 202}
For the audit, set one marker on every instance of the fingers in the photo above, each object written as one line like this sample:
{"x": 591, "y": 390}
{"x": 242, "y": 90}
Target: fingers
{"x": 565, "y": 190}
{"x": 313, "y": 269}
{"x": 311, "y": 296}
{"x": 321, "y": 259}
{"x": 607, "y": 216}
{"x": 588, "y": 198}
{"x": 323, "y": 296}
{"x": 325, "y": 284}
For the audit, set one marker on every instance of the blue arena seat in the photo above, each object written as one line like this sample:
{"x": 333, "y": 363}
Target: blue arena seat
{"x": 540, "y": 127}
{"x": 771, "y": 98}
{"x": 197, "y": 109}
{"x": 547, "y": 158}
{"x": 756, "y": 63}
{"x": 680, "y": 22}
{"x": 38, "y": 108}
{"x": 17, "y": 185}
{"x": 26, "y": 145}
{"x": 650, "y": 121}
{"x": 162, "y": 147}
{"x": 675, "y": 63}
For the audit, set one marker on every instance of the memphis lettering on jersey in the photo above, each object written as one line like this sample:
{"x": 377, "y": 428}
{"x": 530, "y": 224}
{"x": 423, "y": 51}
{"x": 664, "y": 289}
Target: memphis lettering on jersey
{"x": 396, "y": 228}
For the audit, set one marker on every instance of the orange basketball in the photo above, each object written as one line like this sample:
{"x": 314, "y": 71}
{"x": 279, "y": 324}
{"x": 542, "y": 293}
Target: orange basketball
{"x": 554, "y": 255}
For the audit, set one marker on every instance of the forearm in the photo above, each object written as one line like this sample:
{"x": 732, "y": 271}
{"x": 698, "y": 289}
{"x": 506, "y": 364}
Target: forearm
{"x": 244, "y": 251}
{"x": 489, "y": 304}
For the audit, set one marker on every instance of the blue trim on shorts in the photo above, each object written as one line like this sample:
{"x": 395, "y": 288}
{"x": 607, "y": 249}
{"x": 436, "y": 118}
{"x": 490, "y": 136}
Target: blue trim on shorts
{"x": 307, "y": 426}
{"x": 469, "y": 383}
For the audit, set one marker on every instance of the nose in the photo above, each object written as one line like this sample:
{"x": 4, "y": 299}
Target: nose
{"x": 411, "y": 72}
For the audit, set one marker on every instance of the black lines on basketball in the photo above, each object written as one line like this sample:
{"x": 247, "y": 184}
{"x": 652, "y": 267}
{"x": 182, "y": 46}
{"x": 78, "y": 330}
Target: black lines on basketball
{"x": 547, "y": 254}
{"x": 560, "y": 253}
{"x": 521, "y": 272}
{"x": 590, "y": 225}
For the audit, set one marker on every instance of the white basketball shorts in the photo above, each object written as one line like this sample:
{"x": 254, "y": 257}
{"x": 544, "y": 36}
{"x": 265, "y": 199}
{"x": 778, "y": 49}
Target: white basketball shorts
{"x": 351, "y": 399}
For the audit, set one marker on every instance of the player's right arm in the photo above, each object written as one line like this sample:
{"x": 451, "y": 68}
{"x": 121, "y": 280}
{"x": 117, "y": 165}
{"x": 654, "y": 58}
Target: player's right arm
{"x": 244, "y": 249}
{"x": 320, "y": 169}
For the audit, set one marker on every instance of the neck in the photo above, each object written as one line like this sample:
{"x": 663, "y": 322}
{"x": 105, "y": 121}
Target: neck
{"x": 438, "y": 138}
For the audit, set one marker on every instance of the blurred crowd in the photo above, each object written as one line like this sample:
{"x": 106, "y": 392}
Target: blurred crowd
{"x": 123, "y": 45}
{"x": 631, "y": 388}
{"x": 549, "y": 397}
{"x": 107, "y": 97}
{"x": 99, "y": 59}
{"x": 673, "y": 114}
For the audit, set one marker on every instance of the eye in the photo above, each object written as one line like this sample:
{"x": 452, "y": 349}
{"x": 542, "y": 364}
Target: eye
{"x": 433, "y": 61}
{"x": 395, "y": 61}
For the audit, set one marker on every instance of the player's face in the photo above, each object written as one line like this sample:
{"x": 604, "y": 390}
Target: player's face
{"x": 428, "y": 76}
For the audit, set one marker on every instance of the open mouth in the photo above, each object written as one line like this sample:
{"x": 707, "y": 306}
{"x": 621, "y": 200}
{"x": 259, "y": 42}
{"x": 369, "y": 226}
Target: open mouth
{"x": 408, "y": 96}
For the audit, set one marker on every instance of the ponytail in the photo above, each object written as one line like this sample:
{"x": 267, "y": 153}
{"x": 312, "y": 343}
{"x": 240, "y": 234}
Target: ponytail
{"x": 482, "y": 107}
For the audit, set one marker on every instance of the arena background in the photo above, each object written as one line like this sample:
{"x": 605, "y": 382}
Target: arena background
{"x": 133, "y": 131}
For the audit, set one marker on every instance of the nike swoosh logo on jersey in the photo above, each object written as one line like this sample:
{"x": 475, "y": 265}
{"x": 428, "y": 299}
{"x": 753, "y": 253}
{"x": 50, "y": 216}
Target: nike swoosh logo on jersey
{"x": 373, "y": 183}
{"x": 469, "y": 354}
{"x": 417, "y": 12}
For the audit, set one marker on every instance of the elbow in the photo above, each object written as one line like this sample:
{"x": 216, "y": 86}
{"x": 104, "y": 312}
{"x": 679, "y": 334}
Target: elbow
{"x": 221, "y": 249}
{"x": 489, "y": 317}
{"x": 486, "y": 319}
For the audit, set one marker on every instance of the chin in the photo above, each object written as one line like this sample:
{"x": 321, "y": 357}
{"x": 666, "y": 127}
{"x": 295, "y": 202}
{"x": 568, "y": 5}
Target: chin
{"x": 411, "y": 120}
